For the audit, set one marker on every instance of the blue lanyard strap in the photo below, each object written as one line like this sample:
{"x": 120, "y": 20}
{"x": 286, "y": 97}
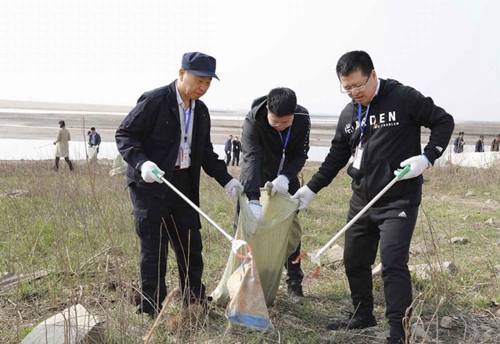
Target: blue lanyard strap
{"x": 282, "y": 161}
{"x": 186, "y": 123}
{"x": 362, "y": 124}
{"x": 286, "y": 139}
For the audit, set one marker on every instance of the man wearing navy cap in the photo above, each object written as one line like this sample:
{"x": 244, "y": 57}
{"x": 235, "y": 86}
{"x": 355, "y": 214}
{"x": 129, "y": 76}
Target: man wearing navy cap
{"x": 169, "y": 130}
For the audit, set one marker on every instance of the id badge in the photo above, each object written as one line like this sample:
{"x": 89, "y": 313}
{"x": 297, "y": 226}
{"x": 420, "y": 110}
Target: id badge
{"x": 358, "y": 155}
{"x": 185, "y": 158}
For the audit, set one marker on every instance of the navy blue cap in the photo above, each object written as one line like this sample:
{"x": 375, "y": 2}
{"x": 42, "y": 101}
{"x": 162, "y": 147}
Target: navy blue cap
{"x": 199, "y": 64}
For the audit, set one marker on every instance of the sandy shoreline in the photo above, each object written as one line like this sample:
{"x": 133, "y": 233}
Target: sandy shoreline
{"x": 38, "y": 120}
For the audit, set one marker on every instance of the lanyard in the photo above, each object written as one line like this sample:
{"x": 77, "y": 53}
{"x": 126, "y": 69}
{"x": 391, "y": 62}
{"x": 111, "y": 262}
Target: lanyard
{"x": 362, "y": 125}
{"x": 282, "y": 161}
{"x": 186, "y": 123}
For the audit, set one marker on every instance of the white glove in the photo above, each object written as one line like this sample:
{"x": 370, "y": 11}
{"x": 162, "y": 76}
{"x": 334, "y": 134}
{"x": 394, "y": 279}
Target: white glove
{"x": 147, "y": 172}
{"x": 418, "y": 164}
{"x": 256, "y": 209}
{"x": 304, "y": 195}
{"x": 280, "y": 184}
{"x": 232, "y": 187}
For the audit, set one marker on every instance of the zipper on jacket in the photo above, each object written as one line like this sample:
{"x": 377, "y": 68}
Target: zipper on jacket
{"x": 365, "y": 155}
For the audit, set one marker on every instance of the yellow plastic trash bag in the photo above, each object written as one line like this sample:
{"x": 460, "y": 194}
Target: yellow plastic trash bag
{"x": 247, "y": 307}
{"x": 272, "y": 241}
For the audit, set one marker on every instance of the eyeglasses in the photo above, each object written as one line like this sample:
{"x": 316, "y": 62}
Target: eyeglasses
{"x": 275, "y": 124}
{"x": 355, "y": 90}
{"x": 279, "y": 124}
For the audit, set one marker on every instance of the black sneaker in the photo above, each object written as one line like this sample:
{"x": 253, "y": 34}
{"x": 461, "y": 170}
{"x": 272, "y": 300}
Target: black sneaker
{"x": 399, "y": 340}
{"x": 354, "y": 323}
{"x": 295, "y": 293}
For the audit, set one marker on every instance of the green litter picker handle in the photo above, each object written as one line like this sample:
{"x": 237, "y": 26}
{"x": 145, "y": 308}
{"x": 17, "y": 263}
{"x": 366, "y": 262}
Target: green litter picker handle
{"x": 235, "y": 244}
{"x": 403, "y": 172}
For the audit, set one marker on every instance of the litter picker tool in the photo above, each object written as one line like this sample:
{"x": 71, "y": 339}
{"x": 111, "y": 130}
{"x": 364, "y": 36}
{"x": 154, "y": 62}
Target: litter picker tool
{"x": 316, "y": 255}
{"x": 48, "y": 144}
{"x": 235, "y": 244}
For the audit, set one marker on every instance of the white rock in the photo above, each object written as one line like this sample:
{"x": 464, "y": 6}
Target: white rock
{"x": 419, "y": 248}
{"x": 446, "y": 322}
{"x": 335, "y": 254}
{"x": 418, "y": 331}
{"x": 72, "y": 325}
{"x": 459, "y": 240}
{"x": 425, "y": 271}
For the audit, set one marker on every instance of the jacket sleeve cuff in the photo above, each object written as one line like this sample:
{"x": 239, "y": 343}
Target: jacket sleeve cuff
{"x": 431, "y": 154}
{"x": 139, "y": 164}
{"x": 253, "y": 195}
{"x": 313, "y": 188}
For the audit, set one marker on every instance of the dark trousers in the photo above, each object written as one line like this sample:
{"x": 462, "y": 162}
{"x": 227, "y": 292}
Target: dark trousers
{"x": 228, "y": 158}
{"x": 294, "y": 274}
{"x": 390, "y": 223}
{"x": 70, "y": 164}
{"x": 158, "y": 223}
{"x": 236, "y": 158}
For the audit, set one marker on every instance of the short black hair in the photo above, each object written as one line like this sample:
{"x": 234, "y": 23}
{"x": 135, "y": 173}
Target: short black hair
{"x": 93, "y": 128}
{"x": 282, "y": 101}
{"x": 352, "y": 61}
{"x": 62, "y": 124}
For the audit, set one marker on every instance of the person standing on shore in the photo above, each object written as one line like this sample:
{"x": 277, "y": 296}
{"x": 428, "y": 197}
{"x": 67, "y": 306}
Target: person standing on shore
{"x": 62, "y": 146}
{"x": 275, "y": 143}
{"x": 459, "y": 143}
{"x": 495, "y": 144}
{"x": 480, "y": 145}
{"x": 169, "y": 131}
{"x": 236, "y": 151}
{"x": 381, "y": 129}
{"x": 94, "y": 139}
{"x": 227, "y": 149}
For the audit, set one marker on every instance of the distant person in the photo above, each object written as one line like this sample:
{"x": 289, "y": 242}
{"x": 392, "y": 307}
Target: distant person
{"x": 275, "y": 143}
{"x": 495, "y": 144}
{"x": 236, "y": 151}
{"x": 380, "y": 128}
{"x": 227, "y": 149}
{"x": 62, "y": 146}
{"x": 480, "y": 145}
{"x": 94, "y": 139}
{"x": 458, "y": 145}
{"x": 169, "y": 131}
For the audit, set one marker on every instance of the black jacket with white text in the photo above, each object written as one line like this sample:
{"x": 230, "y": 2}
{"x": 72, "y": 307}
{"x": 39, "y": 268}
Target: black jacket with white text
{"x": 392, "y": 134}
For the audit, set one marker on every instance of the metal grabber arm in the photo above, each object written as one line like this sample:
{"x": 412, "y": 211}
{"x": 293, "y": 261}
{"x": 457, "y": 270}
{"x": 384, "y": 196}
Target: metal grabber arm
{"x": 316, "y": 255}
{"x": 236, "y": 244}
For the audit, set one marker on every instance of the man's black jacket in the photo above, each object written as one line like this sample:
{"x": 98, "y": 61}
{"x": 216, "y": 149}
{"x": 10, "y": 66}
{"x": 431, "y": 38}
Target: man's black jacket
{"x": 152, "y": 131}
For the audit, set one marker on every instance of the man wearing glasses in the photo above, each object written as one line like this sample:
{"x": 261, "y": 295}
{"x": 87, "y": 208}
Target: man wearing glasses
{"x": 380, "y": 129}
{"x": 275, "y": 143}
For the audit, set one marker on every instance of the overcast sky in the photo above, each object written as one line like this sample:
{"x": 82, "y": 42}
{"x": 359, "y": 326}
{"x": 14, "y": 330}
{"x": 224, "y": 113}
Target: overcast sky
{"x": 109, "y": 52}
